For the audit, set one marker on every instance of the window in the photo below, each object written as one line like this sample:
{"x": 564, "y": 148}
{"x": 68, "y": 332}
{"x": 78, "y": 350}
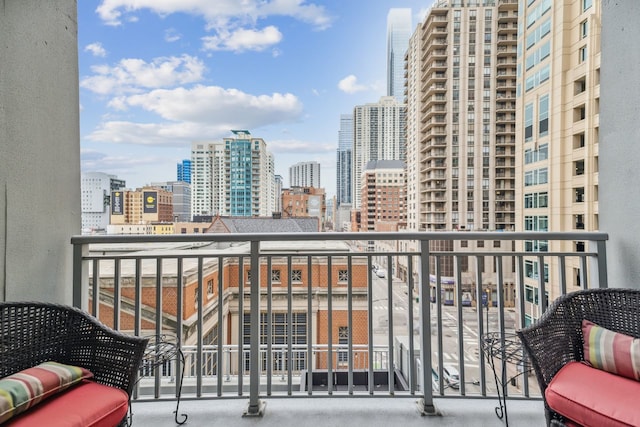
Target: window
{"x": 543, "y": 116}
{"x": 275, "y": 275}
{"x": 579, "y": 194}
{"x": 280, "y": 337}
{"x": 578, "y": 167}
{"x": 343, "y": 341}
{"x": 584, "y": 29}
{"x": 343, "y": 276}
{"x": 480, "y": 243}
{"x": 536, "y": 223}
{"x": 582, "y": 54}
{"x": 296, "y": 276}
{"x": 586, "y": 4}
{"x": 528, "y": 122}
{"x": 210, "y": 287}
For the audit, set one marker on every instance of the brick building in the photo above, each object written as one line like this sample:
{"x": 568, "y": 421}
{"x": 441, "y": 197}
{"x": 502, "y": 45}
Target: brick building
{"x": 287, "y": 277}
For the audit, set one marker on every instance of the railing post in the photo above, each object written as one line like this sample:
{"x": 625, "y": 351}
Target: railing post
{"x": 425, "y": 404}
{"x": 80, "y": 292}
{"x": 256, "y": 406}
{"x": 599, "y": 265}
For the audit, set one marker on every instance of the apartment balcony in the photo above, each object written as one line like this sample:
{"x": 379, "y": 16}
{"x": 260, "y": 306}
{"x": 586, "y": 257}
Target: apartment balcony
{"x": 507, "y": 17}
{"x": 502, "y": 107}
{"x": 435, "y": 153}
{"x": 363, "y": 363}
{"x": 506, "y": 51}
{"x": 505, "y": 140}
{"x": 507, "y": 5}
{"x": 505, "y": 62}
{"x": 506, "y": 95}
{"x": 438, "y": 65}
{"x": 503, "y": 119}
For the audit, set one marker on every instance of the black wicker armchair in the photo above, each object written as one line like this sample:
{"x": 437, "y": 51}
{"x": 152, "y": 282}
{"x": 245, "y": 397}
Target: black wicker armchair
{"x": 556, "y": 338}
{"x": 33, "y": 333}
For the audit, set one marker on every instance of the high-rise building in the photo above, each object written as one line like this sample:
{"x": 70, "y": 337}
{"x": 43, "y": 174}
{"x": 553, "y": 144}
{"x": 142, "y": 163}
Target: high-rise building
{"x": 461, "y": 93}
{"x": 557, "y": 137}
{"x": 234, "y": 177}
{"x": 278, "y": 192}
{"x": 249, "y": 171}
{"x": 383, "y": 195}
{"x": 144, "y": 205}
{"x": 343, "y": 164}
{"x": 181, "y": 192}
{"x": 399, "y": 29}
{"x": 379, "y": 134}
{"x": 208, "y": 179}
{"x": 96, "y": 190}
{"x": 184, "y": 171}
{"x": 305, "y": 174}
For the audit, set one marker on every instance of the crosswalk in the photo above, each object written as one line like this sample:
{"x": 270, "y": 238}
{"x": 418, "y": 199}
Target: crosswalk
{"x": 469, "y": 359}
{"x": 450, "y": 328}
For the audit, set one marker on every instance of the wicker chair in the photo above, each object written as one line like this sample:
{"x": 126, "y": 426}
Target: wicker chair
{"x": 33, "y": 332}
{"x": 556, "y": 338}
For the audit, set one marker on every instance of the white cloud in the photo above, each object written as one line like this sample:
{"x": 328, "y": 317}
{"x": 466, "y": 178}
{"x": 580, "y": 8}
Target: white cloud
{"x": 201, "y": 112}
{"x": 218, "y": 13}
{"x": 298, "y": 146}
{"x": 93, "y": 160}
{"x": 96, "y": 49}
{"x": 132, "y": 75}
{"x": 243, "y": 39}
{"x": 350, "y": 85}
{"x": 172, "y": 35}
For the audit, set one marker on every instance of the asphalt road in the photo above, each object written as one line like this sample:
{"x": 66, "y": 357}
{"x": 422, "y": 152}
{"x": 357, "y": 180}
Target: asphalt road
{"x": 451, "y": 330}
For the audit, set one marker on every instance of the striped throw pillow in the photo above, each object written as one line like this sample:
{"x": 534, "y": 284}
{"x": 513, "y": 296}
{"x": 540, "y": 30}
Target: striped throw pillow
{"x": 24, "y": 389}
{"x": 611, "y": 351}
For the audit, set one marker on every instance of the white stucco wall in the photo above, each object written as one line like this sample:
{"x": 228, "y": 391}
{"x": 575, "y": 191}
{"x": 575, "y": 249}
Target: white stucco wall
{"x": 619, "y": 146}
{"x": 39, "y": 148}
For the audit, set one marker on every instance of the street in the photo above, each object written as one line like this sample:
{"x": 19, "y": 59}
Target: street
{"x": 451, "y": 333}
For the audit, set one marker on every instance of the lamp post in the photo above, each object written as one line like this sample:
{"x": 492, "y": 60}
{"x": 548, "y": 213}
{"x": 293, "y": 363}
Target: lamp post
{"x": 487, "y": 305}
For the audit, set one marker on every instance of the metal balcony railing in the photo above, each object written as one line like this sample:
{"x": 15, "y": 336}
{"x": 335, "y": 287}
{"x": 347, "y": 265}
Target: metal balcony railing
{"x": 330, "y": 314}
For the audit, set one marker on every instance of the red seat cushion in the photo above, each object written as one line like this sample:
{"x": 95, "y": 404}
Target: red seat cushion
{"x": 87, "y": 405}
{"x": 592, "y": 397}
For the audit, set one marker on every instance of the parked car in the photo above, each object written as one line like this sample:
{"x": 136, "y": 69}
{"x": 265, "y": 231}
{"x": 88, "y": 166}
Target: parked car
{"x": 381, "y": 272}
{"x": 451, "y": 375}
{"x": 435, "y": 381}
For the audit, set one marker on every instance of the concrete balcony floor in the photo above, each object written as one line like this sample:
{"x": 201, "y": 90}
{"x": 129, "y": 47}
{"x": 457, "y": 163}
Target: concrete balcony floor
{"x": 339, "y": 412}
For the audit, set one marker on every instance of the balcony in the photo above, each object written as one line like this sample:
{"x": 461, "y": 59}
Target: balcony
{"x": 272, "y": 291}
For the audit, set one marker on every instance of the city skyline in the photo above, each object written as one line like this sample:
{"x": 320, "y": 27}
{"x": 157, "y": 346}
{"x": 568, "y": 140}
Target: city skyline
{"x": 156, "y": 78}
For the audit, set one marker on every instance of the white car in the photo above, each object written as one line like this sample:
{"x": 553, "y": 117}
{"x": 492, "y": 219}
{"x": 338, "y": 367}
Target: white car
{"x": 381, "y": 272}
{"x": 451, "y": 375}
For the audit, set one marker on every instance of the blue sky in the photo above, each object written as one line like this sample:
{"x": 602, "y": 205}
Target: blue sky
{"x": 156, "y": 75}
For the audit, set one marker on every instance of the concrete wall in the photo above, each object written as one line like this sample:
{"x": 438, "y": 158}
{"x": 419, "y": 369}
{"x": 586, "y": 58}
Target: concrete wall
{"x": 619, "y": 163}
{"x": 39, "y": 148}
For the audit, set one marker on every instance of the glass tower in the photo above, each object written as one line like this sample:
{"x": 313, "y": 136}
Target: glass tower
{"x": 184, "y": 171}
{"x": 398, "y": 34}
{"x": 343, "y": 169}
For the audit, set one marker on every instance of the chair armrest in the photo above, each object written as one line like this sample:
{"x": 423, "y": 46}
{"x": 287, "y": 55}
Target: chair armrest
{"x": 554, "y": 340}
{"x": 114, "y": 358}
